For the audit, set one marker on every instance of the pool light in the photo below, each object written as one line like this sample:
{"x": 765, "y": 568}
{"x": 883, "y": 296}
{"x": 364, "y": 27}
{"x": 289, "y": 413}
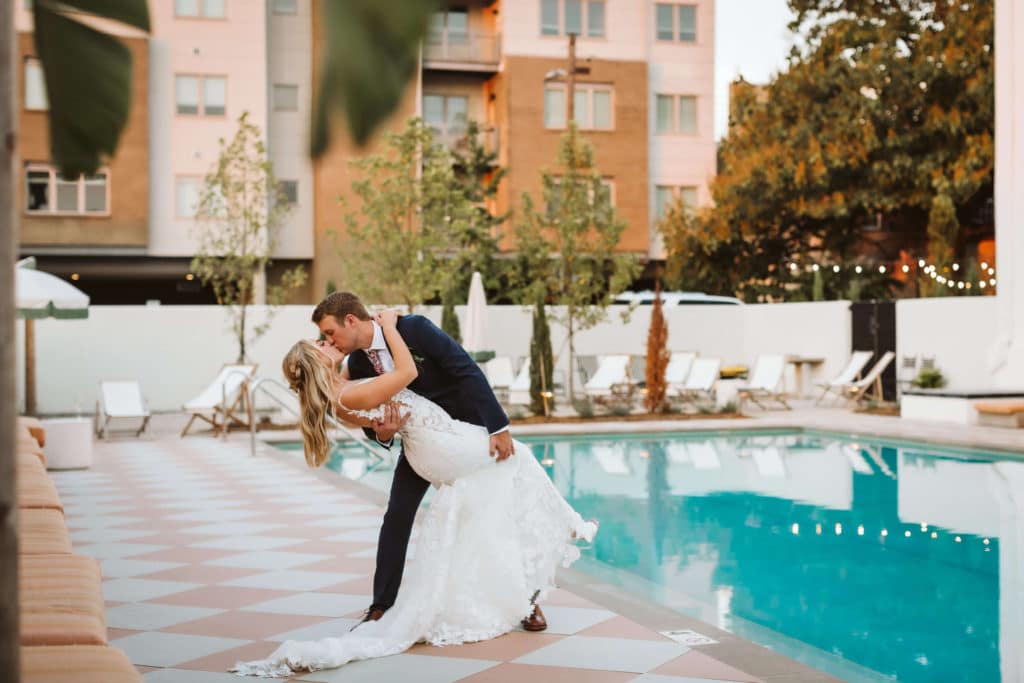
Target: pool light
{"x": 860, "y": 530}
{"x": 839, "y": 529}
{"x": 796, "y": 529}
{"x": 885, "y": 532}
{"x": 907, "y": 533}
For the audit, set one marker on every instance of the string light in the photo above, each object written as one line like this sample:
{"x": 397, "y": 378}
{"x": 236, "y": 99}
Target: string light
{"x": 925, "y": 268}
{"x": 906, "y": 268}
{"x": 956, "y": 266}
{"x": 984, "y": 265}
{"x": 815, "y": 267}
{"x": 881, "y": 269}
{"x": 858, "y": 270}
{"x": 835, "y": 269}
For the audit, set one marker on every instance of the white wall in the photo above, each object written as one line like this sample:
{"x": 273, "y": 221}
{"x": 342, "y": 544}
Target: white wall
{"x": 957, "y": 331}
{"x": 174, "y": 351}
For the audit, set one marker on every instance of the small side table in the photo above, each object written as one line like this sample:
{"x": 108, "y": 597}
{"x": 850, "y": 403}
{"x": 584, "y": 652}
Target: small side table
{"x": 68, "y": 443}
{"x": 798, "y": 363}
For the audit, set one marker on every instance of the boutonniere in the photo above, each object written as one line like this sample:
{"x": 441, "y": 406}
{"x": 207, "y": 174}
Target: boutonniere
{"x": 416, "y": 358}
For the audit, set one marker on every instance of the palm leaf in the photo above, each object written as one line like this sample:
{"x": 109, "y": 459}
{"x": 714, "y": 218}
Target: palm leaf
{"x": 88, "y": 78}
{"x": 371, "y": 51}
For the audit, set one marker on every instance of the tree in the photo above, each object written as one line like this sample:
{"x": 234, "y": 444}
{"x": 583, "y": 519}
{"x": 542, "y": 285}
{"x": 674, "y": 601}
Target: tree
{"x": 884, "y": 103}
{"x": 239, "y": 214}
{"x": 542, "y": 363}
{"x": 657, "y": 357}
{"x": 398, "y": 246}
{"x": 570, "y": 244}
{"x": 449, "y": 320}
{"x": 943, "y": 230}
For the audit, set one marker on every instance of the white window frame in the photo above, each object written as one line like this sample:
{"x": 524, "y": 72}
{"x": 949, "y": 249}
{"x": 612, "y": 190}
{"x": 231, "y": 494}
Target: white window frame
{"x": 201, "y": 95}
{"x": 584, "y": 20}
{"x": 586, "y": 121}
{"x": 52, "y": 193}
{"x": 201, "y": 12}
{"x": 676, "y": 128}
{"x": 32, "y": 65}
{"x": 676, "y": 10}
{"x": 675, "y": 192}
{"x": 178, "y": 182}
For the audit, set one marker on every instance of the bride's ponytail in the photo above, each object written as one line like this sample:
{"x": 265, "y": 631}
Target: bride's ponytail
{"x": 307, "y": 376}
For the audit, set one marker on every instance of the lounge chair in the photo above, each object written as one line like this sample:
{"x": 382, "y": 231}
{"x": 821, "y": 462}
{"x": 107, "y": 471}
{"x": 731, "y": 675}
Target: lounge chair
{"x": 223, "y": 399}
{"x": 500, "y": 376}
{"x": 611, "y": 382}
{"x": 704, "y": 455}
{"x": 765, "y": 381}
{"x": 871, "y": 382}
{"x": 858, "y": 359}
{"x": 121, "y": 400}
{"x": 700, "y": 382}
{"x": 678, "y": 369}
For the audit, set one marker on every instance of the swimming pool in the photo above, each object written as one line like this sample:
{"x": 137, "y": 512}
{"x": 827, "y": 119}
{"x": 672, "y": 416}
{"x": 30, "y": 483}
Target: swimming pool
{"x": 867, "y": 559}
{"x": 871, "y": 560}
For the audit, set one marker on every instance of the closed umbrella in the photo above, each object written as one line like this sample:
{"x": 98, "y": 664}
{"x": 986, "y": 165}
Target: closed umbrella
{"x": 474, "y": 337}
{"x": 42, "y": 295}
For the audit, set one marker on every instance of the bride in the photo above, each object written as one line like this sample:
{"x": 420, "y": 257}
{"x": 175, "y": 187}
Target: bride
{"x": 489, "y": 543}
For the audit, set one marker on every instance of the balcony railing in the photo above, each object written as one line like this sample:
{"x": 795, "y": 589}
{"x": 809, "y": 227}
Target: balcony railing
{"x": 488, "y": 137}
{"x": 449, "y": 49}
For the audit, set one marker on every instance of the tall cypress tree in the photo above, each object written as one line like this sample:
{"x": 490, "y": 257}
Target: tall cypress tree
{"x": 450, "y": 321}
{"x": 541, "y": 360}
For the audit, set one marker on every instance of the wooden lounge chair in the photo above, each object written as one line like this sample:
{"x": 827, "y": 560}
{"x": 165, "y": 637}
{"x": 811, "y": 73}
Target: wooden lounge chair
{"x": 766, "y": 381}
{"x": 851, "y": 373}
{"x": 871, "y": 383}
{"x": 700, "y": 382}
{"x": 120, "y": 400}
{"x": 223, "y": 402}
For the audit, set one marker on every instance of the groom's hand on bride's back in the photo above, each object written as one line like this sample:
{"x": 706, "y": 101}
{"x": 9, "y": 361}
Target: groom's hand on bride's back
{"x": 501, "y": 445}
{"x": 387, "y": 428}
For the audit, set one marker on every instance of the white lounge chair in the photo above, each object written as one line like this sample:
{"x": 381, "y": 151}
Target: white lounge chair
{"x": 704, "y": 456}
{"x": 519, "y": 388}
{"x": 222, "y": 400}
{"x": 765, "y": 381}
{"x": 858, "y": 359}
{"x": 871, "y": 382}
{"x": 611, "y": 382}
{"x": 700, "y": 382}
{"x": 120, "y": 400}
{"x": 678, "y": 369}
{"x": 500, "y": 376}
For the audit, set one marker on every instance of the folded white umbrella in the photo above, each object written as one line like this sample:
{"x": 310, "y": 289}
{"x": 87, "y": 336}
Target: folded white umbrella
{"x": 473, "y": 338}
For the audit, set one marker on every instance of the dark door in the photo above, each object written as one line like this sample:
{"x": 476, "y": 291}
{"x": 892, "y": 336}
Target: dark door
{"x": 874, "y": 329}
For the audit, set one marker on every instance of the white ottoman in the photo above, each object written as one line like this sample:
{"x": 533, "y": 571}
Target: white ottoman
{"x": 726, "y": 392}
{"x": 68, "y": 443}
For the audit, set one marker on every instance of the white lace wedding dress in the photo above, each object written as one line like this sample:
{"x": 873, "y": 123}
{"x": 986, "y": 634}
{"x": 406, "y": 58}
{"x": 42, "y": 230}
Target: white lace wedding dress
{"x": 491, "y": 539}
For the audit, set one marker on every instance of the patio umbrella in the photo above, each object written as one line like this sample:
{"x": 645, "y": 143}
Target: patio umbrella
{"x": 42, "y": 295}
{"x": 476, "y": 316}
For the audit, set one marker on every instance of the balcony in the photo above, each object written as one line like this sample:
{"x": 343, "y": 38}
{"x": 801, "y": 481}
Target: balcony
{"x": 453, "y": 140}
{"x": 450, "y": 50}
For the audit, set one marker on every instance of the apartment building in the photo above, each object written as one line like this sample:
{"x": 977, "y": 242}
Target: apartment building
{"x": 643, "y": 97}
{"x": 127, "y": 234}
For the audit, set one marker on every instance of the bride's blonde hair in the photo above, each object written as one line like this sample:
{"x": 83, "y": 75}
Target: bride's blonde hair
{"x": 307, "y": 375}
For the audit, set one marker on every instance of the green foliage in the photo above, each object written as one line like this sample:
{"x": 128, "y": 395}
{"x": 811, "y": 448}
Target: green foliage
{"x": 818, "y": 287}
{"x": 331, "y": 287}
{"x": 371, "y": 51}
{"x": 449, "y": 320}
{"x": 943, "y": 230}
{"x": 88, "y": 75}
{"x": 884, "y": 105}
{"x": 240, "y": 210}
{"x": 929, "y": 378}
{"x": 567, "y": 249}
{"x": 398, "y": 246}
{"x": 541, "y": 361}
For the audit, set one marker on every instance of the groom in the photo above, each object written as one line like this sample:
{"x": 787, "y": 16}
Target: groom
{"x": 449, "y": 378}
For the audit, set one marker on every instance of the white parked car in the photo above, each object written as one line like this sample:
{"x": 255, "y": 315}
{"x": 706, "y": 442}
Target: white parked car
{"x": 677, "y": 299}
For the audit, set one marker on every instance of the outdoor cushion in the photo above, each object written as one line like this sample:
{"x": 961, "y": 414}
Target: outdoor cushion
{"x": 36, "y": 490}
{"x": 29, "y": 462}
{"x": 77, "y": 664}
{"x": 26, "y": 444}
{"x": 42, "y": 532}
{"x": 1000, "y": 408}
{"x": 34, "y": 427}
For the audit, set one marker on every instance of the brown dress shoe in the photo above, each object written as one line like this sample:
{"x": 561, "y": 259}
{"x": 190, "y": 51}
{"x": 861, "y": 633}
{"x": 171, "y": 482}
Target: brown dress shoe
{"x": 371, "y": 614}
{"x": 535, "y": 622}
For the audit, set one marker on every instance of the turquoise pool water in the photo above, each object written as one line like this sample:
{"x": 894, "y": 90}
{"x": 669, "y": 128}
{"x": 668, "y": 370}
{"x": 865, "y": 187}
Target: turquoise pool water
{"x": 867, "y": 559}
{"x": 870, "y": 560}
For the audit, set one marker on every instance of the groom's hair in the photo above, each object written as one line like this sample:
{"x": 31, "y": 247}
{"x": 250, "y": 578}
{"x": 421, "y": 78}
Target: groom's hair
{"x": 340, "y": 304}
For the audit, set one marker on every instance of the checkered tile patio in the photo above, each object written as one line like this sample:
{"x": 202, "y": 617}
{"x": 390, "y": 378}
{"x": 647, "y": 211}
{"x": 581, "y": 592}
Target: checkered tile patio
{"x": 210, "y": 556}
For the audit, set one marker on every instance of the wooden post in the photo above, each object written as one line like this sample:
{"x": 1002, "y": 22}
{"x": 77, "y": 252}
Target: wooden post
{"x": 572, "y": 78}
{"x": 30, "y": 366}
{"x": 9, "y": 636}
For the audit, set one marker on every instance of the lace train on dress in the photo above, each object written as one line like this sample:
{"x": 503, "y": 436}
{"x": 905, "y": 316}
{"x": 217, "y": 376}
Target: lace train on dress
{"x": 489, "y": 541}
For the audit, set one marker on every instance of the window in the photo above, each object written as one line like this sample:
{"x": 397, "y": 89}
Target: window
{"x": 214, "y": 94}
{"x": 451, "y": 26}
{"x": 286, "y": 97}
{"x": 186, "y": 193}
{"x": 665, "y": 196}
{"x": 211, "y": 9}
{"x": 592, "y": 106}
{"x": 446, "y": 114}
{"x": 290, "y": 191}
{"x": 48, "y": 192}
{"x": 676, "y": 114}
{"x": 675, "y": 22}
{"x": 35, "y": 86}
{"x": 286, "y": 7}
{"x": 562, "y": 17}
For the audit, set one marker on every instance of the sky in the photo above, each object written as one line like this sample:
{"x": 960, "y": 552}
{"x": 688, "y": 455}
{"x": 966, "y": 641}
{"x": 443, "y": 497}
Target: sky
{"x": 750, "y": 39}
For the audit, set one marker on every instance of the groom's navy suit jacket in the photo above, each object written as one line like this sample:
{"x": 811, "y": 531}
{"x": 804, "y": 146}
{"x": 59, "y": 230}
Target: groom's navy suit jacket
{"x": 447, "y": 375}
{"x": 449, "y": 378}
